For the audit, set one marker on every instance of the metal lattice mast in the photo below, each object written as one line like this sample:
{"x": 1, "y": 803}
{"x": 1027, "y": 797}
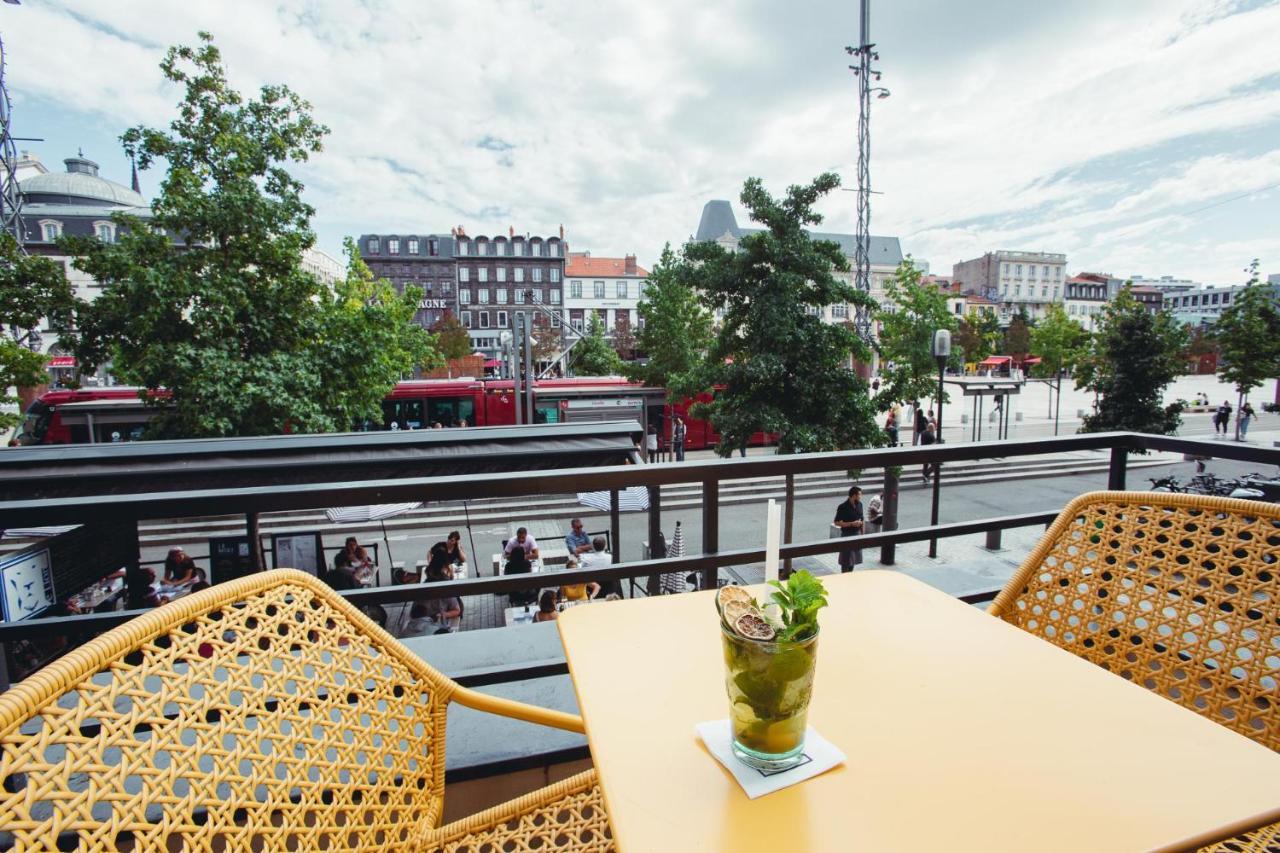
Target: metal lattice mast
{"x": 866, "y": 73}
{"x": 10, "y": 198}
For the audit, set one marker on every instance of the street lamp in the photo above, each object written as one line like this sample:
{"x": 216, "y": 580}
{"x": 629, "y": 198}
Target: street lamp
{"x": 941, "y": 352}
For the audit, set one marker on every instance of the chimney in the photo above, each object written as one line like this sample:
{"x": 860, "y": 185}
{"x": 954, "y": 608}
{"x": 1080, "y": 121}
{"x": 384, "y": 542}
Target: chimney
{"x": 561, "y": 232}
{"x": 453, "y": 232}
{"x": 511, "y": 231}
{"x": 629, "y": 265}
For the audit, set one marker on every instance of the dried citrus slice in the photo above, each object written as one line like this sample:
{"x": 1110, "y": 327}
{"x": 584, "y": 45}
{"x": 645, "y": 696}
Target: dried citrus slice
{"x": 753, "y": 627}
{"x": 733, "y": 593}
{"x": 734, "y": 608}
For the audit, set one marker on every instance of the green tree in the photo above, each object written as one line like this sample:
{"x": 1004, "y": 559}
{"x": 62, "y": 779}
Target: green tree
{"x": 970, "y": 341}
{"x": 916, "y": 311}
{"x": 369, "y": 342}
{"x": 1017, "y": 338}
{"x": 1057, "y": 340}
{"x": 1131, "y": 359}
{"x": 777, "y": 366}
{"x": 548, "y": 341}
{"x": 1248, "y": 338}
{"x": 31, "y": 288}
{"x": 594, "y": 356}
{"x": 676, "y": 330}
{"x": 452, "y": 337}
{"x": 226, "y": 319}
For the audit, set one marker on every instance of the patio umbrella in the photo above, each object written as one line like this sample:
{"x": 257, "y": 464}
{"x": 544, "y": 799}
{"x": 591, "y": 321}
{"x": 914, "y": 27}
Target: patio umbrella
{"x": 673, "y": 582}
{"x": 630, "y": 499}
{"x": 372, "y": 512}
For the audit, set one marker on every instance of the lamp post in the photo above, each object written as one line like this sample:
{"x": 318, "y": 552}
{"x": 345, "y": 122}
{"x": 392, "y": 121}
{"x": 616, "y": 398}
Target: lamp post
{"x": 941, "y": 352}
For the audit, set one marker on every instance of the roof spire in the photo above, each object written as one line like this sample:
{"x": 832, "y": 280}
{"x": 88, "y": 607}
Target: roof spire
{"x": 80, "y": 152}
{"x": 135, "y": 186}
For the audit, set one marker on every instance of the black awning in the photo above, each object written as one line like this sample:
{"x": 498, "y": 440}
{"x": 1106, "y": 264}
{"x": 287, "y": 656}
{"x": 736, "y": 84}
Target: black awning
{"x": 33, "y": 473}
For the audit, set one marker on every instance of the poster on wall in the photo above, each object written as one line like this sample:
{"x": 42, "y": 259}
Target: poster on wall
{"x": 28, "y": 585}
{"x": 297, "y": 551}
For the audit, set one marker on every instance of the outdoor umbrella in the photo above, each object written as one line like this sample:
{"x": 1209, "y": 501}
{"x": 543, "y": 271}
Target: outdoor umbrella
{"x": 630, "y": 499}
{"x": 373, "y": 512}
{"x": 672, "y": 582}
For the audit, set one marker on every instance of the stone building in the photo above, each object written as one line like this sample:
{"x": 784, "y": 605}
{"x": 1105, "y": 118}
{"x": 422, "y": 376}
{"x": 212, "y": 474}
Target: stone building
{"x": 424, "y": 261}
{"x": 612, "y": 287}
{"x": 1018, "y": 281}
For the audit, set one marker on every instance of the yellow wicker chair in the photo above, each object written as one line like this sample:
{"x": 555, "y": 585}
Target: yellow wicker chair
{"x": 265, "y": 713}
{"x": 1179, "y": 593}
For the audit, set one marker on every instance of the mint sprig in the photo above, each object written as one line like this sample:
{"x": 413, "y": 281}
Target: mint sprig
{"x": 799, "y": 601}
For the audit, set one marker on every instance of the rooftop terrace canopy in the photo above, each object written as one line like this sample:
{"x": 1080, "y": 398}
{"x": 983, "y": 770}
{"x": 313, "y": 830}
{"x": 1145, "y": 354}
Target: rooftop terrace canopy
{"x": 33, "y": 473}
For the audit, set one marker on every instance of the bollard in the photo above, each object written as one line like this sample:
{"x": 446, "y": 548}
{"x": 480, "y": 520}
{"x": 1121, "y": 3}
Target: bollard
{"x": 993, "y": 540}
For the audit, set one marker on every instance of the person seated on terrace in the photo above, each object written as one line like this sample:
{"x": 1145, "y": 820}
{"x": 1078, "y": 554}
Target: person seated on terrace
{"x": 599, "y": 558}
{"x": 353, "y": 557}
{"x": 518, "y": 564}
{"x": 578, "y": 591}
{"x": 179, "y": 569}
{"x": 445, "y": 612}
{"x": 140, "y": 596}
{"x": 523, "y": 540}
{"x": 546, "y": 608}
{"x": 577, "y": 541}
{"x": 449, "y": 552}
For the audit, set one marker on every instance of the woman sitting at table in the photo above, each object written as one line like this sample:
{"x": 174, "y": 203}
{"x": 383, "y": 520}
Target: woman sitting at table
{"x": 353, "y": 557}
{"x": 140, "y": 595}
{"x": 578, "y": 591}
{"x": 546, "y": 608}
{"x": 179, "y": 569}
{"x": 518, "y": 564}
{"x": 446, "y": 613}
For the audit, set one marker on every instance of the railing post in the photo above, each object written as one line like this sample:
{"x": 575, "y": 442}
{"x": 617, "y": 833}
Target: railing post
{"x": 615, "y": 539}
{"x": 1119, "y": 464}
{"x": 655, "y": 532}
{"x": 933, "y": 515}
{"x": 255, "y": 540}
{"x": 710, "y": 527}
{"x": 889, "y": 512}
{"x": 789, "y": 512}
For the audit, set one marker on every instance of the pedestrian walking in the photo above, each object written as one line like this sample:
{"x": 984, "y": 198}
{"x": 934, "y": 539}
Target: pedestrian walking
{"x": 891, "y": 426}
{"x": 1246, "y": 417}
{"x": 678, "y": 432}
{"x": 920, "y": 422}
{"x": 651, "y": 444}
{"x": 849, "y": 519}
{"x": 875, "y": 514}
{"x": 1222, "y": 420}
{"x": 927, "y": 437}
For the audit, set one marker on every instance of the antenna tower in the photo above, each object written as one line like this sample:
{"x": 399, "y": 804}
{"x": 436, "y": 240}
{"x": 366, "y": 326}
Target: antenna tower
{"x": 865, "y": 55}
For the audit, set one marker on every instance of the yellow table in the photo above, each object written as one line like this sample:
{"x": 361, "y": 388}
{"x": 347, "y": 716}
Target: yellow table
{"x": 962, "y": 732}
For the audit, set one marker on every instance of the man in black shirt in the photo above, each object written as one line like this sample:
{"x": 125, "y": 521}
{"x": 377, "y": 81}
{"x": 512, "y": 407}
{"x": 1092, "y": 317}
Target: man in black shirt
{"x": 920, "y": 423}
{"x": 849, "y": 520}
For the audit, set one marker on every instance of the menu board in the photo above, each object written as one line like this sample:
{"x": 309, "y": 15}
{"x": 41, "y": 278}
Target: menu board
{"x": 28, "y": 584}
{"x": 229, "y": 558}
{"x": 297, "y": 551}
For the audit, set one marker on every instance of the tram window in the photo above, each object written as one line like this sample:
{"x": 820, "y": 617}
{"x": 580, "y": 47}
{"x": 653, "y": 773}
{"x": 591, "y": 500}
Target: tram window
{"x": 449, "y": 411}
{"x": 406, "y": 414}
{"x": 79, "y": 433}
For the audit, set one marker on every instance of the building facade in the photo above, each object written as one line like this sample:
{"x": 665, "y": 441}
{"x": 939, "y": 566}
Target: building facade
{"x": 1203, "y": 304}
{"x": 1085, "y": 300}
{"x": 1019, "y": 281}
{"x": 502, "y": 275}
{"x": 611, "y": 287}
{"x": 424, "y": 261}
{"x": 327, "y": 269}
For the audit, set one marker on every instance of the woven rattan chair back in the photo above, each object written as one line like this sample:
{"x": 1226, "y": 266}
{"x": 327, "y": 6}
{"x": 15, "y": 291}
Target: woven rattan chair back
{"x": 1175, "y": 592}
{"x": 263, "y": 713}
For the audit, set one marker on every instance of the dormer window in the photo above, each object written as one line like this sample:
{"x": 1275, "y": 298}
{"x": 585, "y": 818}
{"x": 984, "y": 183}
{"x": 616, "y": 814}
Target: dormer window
{"x": 462, "y": 247}
{"x": 393, "y": 246}
{"x": 375, "y": 245}
{"x": 50, "y": 230}
{"x": 413, "y": 245}
{"x": 105, "y": 231}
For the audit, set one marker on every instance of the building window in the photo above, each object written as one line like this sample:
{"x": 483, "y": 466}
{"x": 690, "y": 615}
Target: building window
{"x": 482, "y": 247}
{"x": 499, "y": 247}
{"x": 413, "y": 245}
{"x": 622, "y": 290}
{"x": 537, "y": 273}
{"x": 393, "y": 246}
{"x": 484, "y": 319}
{"x": 466, "y": 319}
{"x": 1044, "y": 272}
{"x": 599, "y": 289}
{"x": 1055, "y": 293}
{"x": 502, "y": 319}
{"x": 837, "y": 311}
{"x": 501, "y": 296}
{"x": 105, "y": 231}
{"x": 519, "y": 274}
{"x": 1004, "y": 270}
{"x": 482, "y": 274}
{"x": 462, "y": 247}
{"x": 575, "y": 289}
{"x": 535, "y": 249}
{"x": 464, "y": 274}
{"x": 502, "y": 273}
{"x": 464, "y": 295}
{"x": 433, "y": 247}
{"x": 517, "y": 247}
{"x": 446, "y": 288}
{"x": 375, "y": 246}
{"x": 555, "y": 297}
{"x": 482, "y": 295}
{"x": 1017, "y": 270}
{"x": 1044, "y": 291}
{"x": 1017, "y": 290}
{"x": 555, "y": 274}
{"x": 577, "y": 325}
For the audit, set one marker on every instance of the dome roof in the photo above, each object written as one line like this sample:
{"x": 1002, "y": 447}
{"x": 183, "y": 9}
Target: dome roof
{"x": 82, "y": 182}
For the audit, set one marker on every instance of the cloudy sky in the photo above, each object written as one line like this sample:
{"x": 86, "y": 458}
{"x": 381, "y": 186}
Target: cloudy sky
{"x": 1138, "y": 137}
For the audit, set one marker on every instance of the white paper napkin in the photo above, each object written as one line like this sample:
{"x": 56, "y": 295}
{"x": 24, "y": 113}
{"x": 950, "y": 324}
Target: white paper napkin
{"x": 820, "y": 754}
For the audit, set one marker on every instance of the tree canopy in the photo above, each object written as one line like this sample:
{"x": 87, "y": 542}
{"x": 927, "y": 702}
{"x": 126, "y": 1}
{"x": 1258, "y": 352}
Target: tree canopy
{"x": 676, "y": 330}
{"x": 1248, "y": 337}
{"x": 451, "y": 336}
{"x": 1058, "y": 341}
{"x": 915, "y": 312}
{"x": 1017, "y": 337}
{"x": 209, "y": 299}
{"x": 1132, "y": 358}
{"x": 775, "y": 365}
{"x": 31, "y": 288}
{"x": 593, "y": 355}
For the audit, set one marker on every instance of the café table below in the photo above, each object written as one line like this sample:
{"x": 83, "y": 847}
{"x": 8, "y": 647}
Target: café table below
{"x": 962, "y": 733}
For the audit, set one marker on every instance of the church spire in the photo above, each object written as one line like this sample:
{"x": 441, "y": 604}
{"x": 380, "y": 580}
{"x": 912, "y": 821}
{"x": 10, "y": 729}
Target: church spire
{"x": 135, "y": 186}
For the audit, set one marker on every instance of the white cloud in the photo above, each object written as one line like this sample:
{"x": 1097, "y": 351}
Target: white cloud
{"x": 1069, "y": 127}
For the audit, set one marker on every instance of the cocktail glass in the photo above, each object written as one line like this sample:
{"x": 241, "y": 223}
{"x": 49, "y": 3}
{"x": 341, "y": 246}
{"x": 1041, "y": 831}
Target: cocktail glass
{"x": 769, "y": 684}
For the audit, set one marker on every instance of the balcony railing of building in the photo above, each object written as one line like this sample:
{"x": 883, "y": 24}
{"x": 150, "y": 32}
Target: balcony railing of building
{"x": 129, "y": 509}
